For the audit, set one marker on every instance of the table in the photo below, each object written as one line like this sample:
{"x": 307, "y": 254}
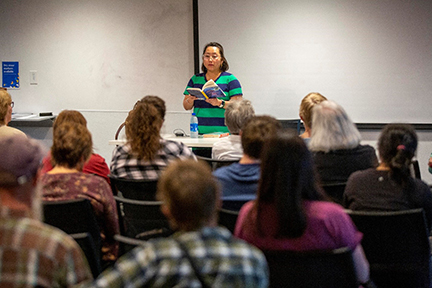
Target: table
{"x": 190, "y": 142}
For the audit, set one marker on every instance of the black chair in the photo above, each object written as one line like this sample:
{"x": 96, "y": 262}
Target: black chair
{"x": 335, "y": 191}
{"x": 86, "y": 243}
{"x": 396, "y": 245}
{"x": 228, "y": 219}
{"x": 234, "y": 205}
{"x": 141, "y": 219}
{"x": 126, "y": 244}
{"x": 216, "y": 163}
{"x": 325, "y": 269}
{"x": 134, "y": 189}
{"x": 74, "y": 216}
{"x": 295, "y": 124}
{"x": 415, "y": 169}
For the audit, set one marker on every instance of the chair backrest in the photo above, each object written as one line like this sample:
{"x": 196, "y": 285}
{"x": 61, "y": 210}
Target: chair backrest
{"x": 74, "y": 216}
{"x": 334, "y": 190}
{"x": 141, "y": 219}
{"x": 326, "y": 269}
{"x": 86, "y": 243}
{"x": 228, "y": 219}
{"x": 134, "y": 189}
{"x": 415, "y": 169}
{"x": 126, "y": 244}
{"x": 396, "y": 245}
{"x": 118, "y": 130}
{"x": 233, "y": 205}
{"x": 216, "y": 163}
{"x": 295, "y": 124}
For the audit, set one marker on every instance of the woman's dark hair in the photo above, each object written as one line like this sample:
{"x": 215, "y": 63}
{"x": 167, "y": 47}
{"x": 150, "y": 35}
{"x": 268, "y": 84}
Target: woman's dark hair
{"x": 287, "y": 178}
{"x": 143, "y": 125}
{"x": 397, "y": 146}
{"x": 224, "y": 66}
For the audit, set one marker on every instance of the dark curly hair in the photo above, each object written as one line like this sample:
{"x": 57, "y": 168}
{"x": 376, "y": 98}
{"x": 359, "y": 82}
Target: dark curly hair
{"x": 143, "y": 126}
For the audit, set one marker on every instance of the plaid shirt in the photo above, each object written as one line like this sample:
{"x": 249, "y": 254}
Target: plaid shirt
{"x": 223, "y": 261}
{"x": 125, "y": 165}
{"x": 35, "y": 254}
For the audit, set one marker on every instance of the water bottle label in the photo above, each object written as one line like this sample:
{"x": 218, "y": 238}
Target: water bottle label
{"x": 194, "y": 127}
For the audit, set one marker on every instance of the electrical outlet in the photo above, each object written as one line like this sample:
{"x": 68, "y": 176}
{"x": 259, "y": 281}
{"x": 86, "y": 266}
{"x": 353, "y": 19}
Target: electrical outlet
{"x": 33, "y": 77}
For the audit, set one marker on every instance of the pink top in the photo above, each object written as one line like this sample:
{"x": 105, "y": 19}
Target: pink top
{"x": 329, "y": 227}
{"x": 96, "y": 165}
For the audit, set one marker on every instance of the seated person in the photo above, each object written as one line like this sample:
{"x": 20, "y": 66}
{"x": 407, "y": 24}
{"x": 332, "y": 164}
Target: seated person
{"x": 146, "y": 154}
{"x": 199, "y": 247}
{"x": 290, "y": 212}
{"x": 236, "y": 115}
{"x": 390, "y": 186}
{"x": 240, "y": 180}
{"x": 335, "y": 143}
{"x": 72, "y": 147}
{"x": 6, "y": 106}
{"x": 306, "y": 105}
{"x": 32, "y": 254}
{"x": 95, "y": 165}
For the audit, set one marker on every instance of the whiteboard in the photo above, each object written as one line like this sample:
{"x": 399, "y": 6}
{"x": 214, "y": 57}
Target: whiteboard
{"x": 372, "y": 57}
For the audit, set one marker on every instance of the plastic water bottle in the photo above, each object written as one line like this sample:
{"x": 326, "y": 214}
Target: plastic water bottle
{"x": 194, "y": 126}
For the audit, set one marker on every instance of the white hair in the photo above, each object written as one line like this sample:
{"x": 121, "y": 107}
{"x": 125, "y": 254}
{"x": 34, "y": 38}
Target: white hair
{"x": 237, "y": 113}
{"x": 332, "y": 128}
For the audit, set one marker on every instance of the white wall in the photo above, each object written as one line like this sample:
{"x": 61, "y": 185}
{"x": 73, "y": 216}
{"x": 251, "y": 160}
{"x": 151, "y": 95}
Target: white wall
{"x": 372, "y": 57}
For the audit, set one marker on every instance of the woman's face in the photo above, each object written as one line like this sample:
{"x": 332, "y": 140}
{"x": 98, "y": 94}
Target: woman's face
{"x": 212, "y": 59}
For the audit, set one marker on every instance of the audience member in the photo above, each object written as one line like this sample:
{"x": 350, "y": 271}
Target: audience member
{"x": 240, "y": 180}
{"x": 72, "y": 147}
{"x": 200, "y": 254}
{"x": 289, "y": 212}
{"x": 95, "y": 165}
{"x": 236, "y": 115}
{"x": 390, "y": 186}
{"x": 6, "y": 106}
{"x": 146, "y": 154}
{"x": 335, "y": 143}
{"x": 32, "y": 254}
{"x": 306, "y": 105}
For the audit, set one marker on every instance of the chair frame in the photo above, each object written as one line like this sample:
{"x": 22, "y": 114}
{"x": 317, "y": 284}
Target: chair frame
{"x": 216, "y": 163}
{"x": 158, "y": 225}
{"x": 310, "y": 269}
{"x": 228, "y": 218}
{"x": 397, "y": 249}
{"x": 144, "y": 190}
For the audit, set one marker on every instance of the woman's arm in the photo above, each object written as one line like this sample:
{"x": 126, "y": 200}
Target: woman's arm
{"x": 188, "y": 102}
{"x": 361, "y": 265}
{"x": 218, "y": 102}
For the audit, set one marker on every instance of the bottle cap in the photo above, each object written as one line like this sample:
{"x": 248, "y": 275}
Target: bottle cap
{"x": 193, "y": 114}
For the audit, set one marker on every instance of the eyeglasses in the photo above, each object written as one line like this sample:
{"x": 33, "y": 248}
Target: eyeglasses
{"x": 208, "y": 57}
{"x": 12, "y": 104}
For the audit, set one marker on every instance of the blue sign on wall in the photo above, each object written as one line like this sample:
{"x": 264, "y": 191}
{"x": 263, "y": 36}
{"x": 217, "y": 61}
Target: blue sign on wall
{"x": 10, "y": 71}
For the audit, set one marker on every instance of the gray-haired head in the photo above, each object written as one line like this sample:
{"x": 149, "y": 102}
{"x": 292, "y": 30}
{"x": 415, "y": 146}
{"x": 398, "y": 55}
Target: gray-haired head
{"x": 332, "y": 129}
{"x": 237, "y": 114}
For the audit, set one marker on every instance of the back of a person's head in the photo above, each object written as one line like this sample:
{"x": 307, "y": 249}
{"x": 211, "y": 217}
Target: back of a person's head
{"x": 397, "y": 146}
{"x": 256, "y": 131}
{"x": 190, "y": 191}
{"x": 287, "y": 178}
{"x": 20, "y": 160}
{"x": 237, "y": 114}
{"x": 332, "y": 129}
{"x": 5, "y": 101}
{"x": 143, "y": 126}
{"x": 306, "y": 105}
{"x": 72, "y": 143}
{"x": 72, "y": 116}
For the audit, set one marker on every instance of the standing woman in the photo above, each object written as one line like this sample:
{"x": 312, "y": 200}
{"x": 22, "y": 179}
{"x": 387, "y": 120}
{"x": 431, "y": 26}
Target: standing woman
{"x": 211, "y": 112}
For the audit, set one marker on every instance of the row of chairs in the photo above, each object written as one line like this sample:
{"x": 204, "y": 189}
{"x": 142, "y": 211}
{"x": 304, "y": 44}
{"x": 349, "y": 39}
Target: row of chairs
{"x": 396, "y": 245}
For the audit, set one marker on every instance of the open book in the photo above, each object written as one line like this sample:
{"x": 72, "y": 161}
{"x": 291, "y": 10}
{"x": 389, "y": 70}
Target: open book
{"x": 209, "y": 90}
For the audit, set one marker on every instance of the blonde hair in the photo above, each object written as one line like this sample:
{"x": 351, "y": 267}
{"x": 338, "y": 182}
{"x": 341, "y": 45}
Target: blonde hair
{"x": 332, "y": 129}
{"x": 306, "y": 105}
{"x": 5, "y": 102}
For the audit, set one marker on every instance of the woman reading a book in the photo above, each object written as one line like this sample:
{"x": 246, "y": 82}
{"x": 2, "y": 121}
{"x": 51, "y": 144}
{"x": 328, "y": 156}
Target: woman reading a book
{"x": 211, "y": 112}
